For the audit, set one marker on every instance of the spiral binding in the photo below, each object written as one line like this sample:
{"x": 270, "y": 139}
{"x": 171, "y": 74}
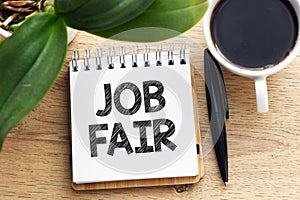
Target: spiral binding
{"x": 98, "y": 59}
{"x": 158, "y": 55}
{"x": 111, "y": 53}
{"x": 170, "y": 55}
{"x": 146, "y": 56}
{"x": 134, "y": 57}
{"x": 182, "y": 55}
{"x": 122, "y": 57}
{"x": 86, "y": 61}
{"x": 75, "y": 57}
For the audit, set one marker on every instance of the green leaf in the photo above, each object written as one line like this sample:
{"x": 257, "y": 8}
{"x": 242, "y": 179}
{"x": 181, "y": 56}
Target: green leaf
{"x": 167, "y": 18}
{"x": 99, "y": 15}
{"x": 65, "y": 6}
{"x": 30, "y": 61}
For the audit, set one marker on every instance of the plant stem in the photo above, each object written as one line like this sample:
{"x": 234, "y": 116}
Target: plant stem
{"x": 48, "y": 6}
{"x": 10, "y": 19}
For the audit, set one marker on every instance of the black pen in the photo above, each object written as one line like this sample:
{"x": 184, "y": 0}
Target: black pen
{"x": 217, "y": 110}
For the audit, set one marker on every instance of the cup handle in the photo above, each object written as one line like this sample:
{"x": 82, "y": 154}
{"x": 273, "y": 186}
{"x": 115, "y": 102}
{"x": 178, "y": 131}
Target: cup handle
{"x": 261, "y": 89}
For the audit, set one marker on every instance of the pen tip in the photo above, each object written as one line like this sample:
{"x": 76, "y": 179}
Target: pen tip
{"x": 225, "y": 183}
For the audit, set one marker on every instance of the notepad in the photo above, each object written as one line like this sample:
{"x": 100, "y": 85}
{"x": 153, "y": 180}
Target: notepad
{"x": 132, "y": 116}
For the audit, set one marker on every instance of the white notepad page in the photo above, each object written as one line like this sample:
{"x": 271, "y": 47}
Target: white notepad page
{"x": 111, "y": 159}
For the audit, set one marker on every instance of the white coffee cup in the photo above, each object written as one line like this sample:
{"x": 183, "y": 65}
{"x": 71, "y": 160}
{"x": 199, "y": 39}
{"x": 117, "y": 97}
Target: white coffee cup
{"x": 260, "y": 75}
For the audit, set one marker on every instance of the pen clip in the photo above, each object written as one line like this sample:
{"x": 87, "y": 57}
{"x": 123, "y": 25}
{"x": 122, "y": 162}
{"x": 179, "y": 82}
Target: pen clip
{"x": 225, "y": 98}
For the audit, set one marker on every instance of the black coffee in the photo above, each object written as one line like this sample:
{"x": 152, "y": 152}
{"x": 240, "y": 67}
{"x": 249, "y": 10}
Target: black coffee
{"x": 254, "y": 33}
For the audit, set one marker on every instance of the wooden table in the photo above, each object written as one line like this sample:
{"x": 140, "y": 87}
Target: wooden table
{"x": 264, "y": 149}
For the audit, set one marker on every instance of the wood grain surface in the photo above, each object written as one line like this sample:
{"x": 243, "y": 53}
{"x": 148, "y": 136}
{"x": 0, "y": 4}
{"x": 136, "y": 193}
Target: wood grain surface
{"x": 264, "y": 149}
